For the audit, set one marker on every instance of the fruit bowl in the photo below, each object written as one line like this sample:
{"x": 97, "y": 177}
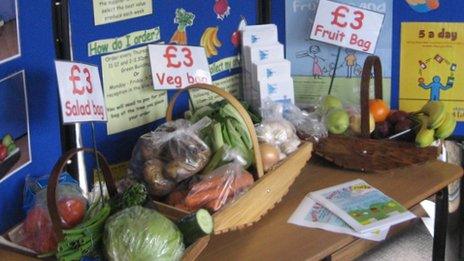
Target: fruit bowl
{"x": 9, "y": 162}
{"x": 380, "y": 151}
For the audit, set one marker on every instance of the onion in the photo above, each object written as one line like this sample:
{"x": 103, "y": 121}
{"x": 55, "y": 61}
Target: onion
{"x": 269, "y": 155}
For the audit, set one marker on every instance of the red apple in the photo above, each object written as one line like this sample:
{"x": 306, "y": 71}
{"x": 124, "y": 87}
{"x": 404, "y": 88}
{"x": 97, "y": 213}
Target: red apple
{"x": 3, "y": 152}
{"x": 235, "y": 38}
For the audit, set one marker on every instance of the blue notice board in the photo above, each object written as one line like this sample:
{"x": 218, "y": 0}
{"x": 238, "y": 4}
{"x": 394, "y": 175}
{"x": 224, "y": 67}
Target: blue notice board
{"x": 401, "y": 13}
{"x": 29, "y": 109}
{"x": 223, "y": 14}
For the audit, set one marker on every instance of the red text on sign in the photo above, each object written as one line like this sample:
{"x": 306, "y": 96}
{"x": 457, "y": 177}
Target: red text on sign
{"x": 74, "y": 108}
{"x": 177, "y": 81}
{"x": 341, "y": 12}
{"x": 80, "y": 86}
{"x": 175, "y": 59}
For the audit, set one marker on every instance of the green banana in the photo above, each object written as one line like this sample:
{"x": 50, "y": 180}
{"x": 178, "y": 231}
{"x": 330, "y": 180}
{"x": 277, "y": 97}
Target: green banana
{"x": 447, "y": 128}
{"x": 424, "y": 137}
{"x": 436, "y": 112}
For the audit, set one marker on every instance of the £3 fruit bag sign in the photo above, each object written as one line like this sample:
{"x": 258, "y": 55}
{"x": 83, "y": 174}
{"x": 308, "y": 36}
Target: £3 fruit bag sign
{"x": 347, "y": 26}
{"x": 177, "y": 66}
{"x": 80, "y": 92}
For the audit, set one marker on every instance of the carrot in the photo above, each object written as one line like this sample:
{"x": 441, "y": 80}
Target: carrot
{"x": 215, "y": 189}
{"x": 176, "y": 197}
{"x": 200, "y": 198}
{"x": 208, "y": 183}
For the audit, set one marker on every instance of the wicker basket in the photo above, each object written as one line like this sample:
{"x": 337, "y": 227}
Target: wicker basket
{"x": 363, "y": 153}
{"x": 190, "y": 253}
{"x": 268, "y": 188}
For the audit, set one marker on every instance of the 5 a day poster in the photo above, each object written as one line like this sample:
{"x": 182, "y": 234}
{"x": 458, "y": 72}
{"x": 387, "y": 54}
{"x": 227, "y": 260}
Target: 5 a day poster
{"x": 431, "y": 66}
{"x": 305, "y": 53}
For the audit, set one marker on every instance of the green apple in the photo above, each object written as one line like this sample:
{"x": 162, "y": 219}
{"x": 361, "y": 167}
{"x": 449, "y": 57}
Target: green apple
{"x": 7, "y": 140}
{"x": 331, "y": 102}
{"x": 337, "y": 121}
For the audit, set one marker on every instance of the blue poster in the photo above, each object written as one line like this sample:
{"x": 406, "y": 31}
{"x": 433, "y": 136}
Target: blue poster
{"x": 313, "y": 62}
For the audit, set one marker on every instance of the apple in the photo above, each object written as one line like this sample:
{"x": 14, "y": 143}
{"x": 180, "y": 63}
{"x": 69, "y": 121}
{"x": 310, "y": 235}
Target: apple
{"x": 397, "y": 116}
{"x": 3, "y": 152}
{"x": 382, "y": 130}
{"x": 337, "y": 121}
{"x": 331, "y": 102}
{"x": 235, "y": 38}
{"x": 7, "y": 140}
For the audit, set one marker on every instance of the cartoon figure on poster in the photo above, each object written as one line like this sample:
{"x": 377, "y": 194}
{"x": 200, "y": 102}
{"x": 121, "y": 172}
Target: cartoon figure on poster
{"x": 433, "y": 67}
{"x": 350, "y": 62}
{"x": 312, "y": 53}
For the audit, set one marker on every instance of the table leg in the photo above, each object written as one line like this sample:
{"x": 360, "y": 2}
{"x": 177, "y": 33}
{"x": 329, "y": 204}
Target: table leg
{"x": 461, "y": 222}
{"x": 441, "y": 225}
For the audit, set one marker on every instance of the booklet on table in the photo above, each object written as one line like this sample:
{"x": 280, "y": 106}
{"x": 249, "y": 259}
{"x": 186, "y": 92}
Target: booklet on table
{"x": 314, "y": 215}
{"x": 361, "y": 206}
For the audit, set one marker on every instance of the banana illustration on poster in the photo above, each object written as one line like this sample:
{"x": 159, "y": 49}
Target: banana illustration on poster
{"x": 313, "y": 62}
{"x": 431, "y": 67}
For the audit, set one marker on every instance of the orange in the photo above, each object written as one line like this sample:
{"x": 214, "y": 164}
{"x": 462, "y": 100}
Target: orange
{"x": 379, "y": 110}
{"x": 433, "y": 4}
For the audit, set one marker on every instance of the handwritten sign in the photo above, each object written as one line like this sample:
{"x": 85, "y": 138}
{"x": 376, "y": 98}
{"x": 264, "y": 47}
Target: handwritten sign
{"x": 80, "y": 92}
{"x": 347, "y": 26}
{"x": 176, "y": 66}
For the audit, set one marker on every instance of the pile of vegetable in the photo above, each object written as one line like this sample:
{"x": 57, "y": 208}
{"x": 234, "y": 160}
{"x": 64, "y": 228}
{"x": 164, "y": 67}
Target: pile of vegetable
{"x": 170, "y": 154}
{"x": 228, "y": 129}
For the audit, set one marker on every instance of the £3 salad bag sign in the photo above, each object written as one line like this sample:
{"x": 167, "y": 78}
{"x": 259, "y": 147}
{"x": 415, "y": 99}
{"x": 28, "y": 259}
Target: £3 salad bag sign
{"x": 80, "y": 92}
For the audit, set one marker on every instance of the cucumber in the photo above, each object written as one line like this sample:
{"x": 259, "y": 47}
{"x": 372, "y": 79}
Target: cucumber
{"x": 195, "y": 226}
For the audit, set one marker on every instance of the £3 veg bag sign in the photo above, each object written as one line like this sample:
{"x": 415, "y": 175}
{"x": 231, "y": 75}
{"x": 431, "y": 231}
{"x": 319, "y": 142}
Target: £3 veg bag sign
{"x": 177, "y": 66}
{"x": 80, "y": 92}
{"x": 347, "y": 26}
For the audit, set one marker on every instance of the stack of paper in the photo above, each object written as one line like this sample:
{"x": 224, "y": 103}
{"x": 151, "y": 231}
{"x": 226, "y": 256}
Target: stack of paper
{"x": 266, "y": 73}
{"x": 355, "y": 208}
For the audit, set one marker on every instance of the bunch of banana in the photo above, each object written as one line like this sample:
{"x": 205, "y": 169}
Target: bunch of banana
{"x": 209, "y": 40}
{"x": 435, "y": 123}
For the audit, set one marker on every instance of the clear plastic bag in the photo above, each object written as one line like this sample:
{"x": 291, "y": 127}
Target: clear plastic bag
{"x": 168, "y": 155}
{"x": 214, "y": 190}
{"x": 309, "y": 126}
{"x": 36, "y": 231}
{"x": 275, "y": 130}
{"x": 138, "y": 233}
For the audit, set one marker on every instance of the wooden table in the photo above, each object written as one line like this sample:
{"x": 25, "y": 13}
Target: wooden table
{"x": 274, "y": 239}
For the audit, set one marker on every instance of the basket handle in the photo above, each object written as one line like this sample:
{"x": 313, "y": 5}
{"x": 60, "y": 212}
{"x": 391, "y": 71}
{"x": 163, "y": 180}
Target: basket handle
{"x": 53, "y": 183}
{"x": 238, "y": 106}
{"x": 372, "y": 61}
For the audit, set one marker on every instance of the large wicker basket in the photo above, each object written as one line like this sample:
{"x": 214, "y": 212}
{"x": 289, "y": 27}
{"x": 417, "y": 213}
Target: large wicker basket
{"x": 369, "y": 155}
{"x": 269, "y": 188}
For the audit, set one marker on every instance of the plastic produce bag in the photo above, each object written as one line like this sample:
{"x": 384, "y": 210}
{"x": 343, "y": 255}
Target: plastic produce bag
{"x": 309, "y": 126}
{"x": 170, "y": 154}
{"x": 214, "y": 190}
{"x": 138, "y": 233}
{"x": 275, "y": 130}
{"x": 36, "y": 231}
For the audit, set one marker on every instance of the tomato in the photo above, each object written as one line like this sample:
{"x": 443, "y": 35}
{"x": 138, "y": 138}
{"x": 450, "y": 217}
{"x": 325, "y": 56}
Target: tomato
{"x": 3, "y": 152}
{"x": 379, "y": 110}
{"x": 37, "y": 219}
{"x": 71, "y": 210}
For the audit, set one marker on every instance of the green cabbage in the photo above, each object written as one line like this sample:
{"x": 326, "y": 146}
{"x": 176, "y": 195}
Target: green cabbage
{"x": 138, "y": 233}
